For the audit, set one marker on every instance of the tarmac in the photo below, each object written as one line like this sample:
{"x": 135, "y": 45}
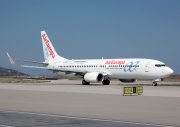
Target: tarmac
{"x": 67, "y": 103}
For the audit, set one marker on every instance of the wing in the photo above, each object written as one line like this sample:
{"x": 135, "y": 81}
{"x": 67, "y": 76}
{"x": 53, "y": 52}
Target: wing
{"x": 44, "y": 63}
{"x": 54, "y": 70}
{"x": 14, "y": 64}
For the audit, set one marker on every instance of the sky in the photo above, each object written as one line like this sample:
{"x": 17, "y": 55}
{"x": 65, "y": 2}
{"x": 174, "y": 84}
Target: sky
{"x": 90, "y": 29}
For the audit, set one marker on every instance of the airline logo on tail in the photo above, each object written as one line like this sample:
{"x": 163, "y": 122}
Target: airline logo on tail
{"x": 46, "y": 41}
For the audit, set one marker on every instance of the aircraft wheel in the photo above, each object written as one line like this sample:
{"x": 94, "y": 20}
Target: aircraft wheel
{"x": 85, "y": 83}
{"x": 106, "y": 82}
{"x": 154, "y": 83}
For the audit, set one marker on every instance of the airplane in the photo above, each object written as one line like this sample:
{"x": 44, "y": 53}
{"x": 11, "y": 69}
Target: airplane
{"x": 127, "y": 70}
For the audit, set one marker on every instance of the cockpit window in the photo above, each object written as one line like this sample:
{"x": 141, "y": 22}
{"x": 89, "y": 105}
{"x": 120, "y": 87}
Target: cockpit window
{"x": 160, "y": 65}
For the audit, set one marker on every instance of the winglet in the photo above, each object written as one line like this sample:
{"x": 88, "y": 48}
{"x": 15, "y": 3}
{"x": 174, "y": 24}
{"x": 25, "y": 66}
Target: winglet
{"x": 11, "y": 60}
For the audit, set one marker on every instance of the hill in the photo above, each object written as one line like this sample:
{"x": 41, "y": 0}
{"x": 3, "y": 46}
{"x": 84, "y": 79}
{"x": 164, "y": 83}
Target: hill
{"x": 10, "y": 72}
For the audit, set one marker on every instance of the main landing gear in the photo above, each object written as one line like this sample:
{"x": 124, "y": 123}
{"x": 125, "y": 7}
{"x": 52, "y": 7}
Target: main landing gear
{"x": 85, "y": 83}
{"x": 106, "y": 82}
{"x": 154, "y": 83}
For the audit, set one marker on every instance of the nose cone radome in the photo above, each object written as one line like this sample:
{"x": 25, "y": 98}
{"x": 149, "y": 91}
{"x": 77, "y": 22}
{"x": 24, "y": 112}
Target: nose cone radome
{"x": 169, "y": 71}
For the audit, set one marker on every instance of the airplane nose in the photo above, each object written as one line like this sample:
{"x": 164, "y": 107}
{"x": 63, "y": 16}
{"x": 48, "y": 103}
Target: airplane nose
{"x": 170, "y": 71}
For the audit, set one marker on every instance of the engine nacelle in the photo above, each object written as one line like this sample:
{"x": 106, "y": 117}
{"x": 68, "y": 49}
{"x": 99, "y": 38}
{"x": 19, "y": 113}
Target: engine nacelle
{"x": 128, "y": 80}
{"x": 93, "y": 77}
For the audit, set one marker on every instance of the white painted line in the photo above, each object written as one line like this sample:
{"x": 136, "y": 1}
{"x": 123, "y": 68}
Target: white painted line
{"x": 85, "y": 118}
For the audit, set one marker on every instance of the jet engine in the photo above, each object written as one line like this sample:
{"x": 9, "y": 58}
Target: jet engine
{"x": 93, "y": 77}
{"x": 128, "y": 80}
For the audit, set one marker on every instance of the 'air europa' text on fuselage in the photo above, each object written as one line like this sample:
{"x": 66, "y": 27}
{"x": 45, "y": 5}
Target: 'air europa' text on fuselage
{"x": 115, "y": 62}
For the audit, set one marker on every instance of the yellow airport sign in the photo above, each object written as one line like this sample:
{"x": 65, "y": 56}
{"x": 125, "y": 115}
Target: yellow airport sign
{"x": 133, "y": 90}
{"x": 139, "y": 89}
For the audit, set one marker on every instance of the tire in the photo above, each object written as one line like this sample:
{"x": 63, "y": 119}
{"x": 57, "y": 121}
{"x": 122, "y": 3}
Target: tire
{"x": 85, "y": 83}
{"x": 106, "y": 82}
{"x": 154, "y": 83}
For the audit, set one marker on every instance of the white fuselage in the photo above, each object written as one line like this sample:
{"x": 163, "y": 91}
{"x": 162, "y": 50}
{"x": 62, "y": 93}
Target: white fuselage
{"x": 114, "y": 68}
{"x": 99, "y": 70}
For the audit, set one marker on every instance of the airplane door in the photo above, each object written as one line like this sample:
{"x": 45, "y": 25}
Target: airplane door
{"x": 147, "y": 67}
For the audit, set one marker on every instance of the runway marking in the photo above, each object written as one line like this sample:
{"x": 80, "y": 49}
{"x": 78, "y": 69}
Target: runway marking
{"x": 1, "y": 125}
{"x": 83, "y": 118}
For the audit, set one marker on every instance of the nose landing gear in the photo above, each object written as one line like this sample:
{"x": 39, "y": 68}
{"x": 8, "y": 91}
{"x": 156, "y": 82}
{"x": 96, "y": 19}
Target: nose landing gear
{"x": 154, "y": 83}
